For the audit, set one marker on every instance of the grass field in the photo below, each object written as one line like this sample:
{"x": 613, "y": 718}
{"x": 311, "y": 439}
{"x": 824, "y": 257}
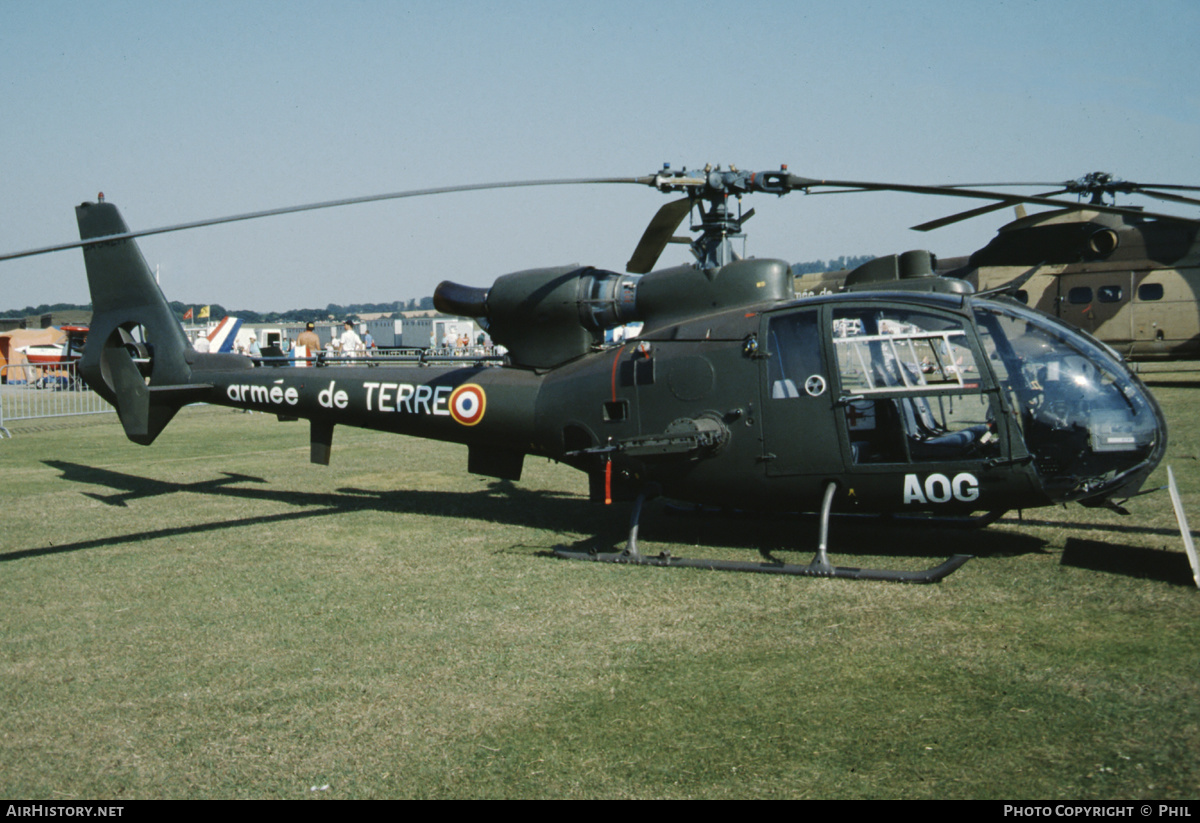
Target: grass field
{"x": 214, "y": 617}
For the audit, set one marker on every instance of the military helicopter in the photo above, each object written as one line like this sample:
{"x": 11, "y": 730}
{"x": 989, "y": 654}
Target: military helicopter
{"x": 735, "y": 393}
{"x": 1129, "y": 278}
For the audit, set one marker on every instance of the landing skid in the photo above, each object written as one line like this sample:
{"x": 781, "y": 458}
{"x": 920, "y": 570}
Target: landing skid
{"x": 813, "y": 569}
{"x": 819, "y": 567}
{"x": 979, "y": 521}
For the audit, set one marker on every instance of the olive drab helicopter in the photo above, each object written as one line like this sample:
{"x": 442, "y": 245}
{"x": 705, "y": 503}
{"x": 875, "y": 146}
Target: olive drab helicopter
{"x": 736, "y": 393}
{"x": 1131, "y": 279}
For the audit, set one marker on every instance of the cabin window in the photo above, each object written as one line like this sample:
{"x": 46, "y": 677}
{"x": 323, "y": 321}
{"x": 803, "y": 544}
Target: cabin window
{"x": 911, "y": 387}
{"x": 795, "y": 354}
{"x": 1109, "y": 294}
{"x": 1150, "y": 291}
{"x": 1080, "y": 294}
{"x": 897, "y": 350}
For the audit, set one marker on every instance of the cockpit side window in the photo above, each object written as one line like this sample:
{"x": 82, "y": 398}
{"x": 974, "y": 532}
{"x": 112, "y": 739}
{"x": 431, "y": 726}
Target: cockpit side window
{"x": 886, "y": 351}
{"x": 912, "y": 387}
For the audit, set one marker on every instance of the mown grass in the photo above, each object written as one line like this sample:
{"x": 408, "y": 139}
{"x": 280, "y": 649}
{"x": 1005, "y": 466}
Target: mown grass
{"x": 215, "y": 617}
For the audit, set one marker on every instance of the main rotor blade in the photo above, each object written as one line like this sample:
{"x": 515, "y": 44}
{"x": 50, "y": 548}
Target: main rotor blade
{"x": 877, "y": 187}
{"x": 657, "y": 235}
{"x": 1040, "y": 185}
{"x": 326, "y": 204}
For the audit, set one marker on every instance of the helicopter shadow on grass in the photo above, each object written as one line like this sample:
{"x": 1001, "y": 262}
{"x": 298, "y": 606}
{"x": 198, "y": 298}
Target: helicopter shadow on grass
{"x": 776, "y": 534}
{"x": 1128, "y": 561}
{"x": 1071, "y": 525}
{"x": 852, "y": 534}
{"x": 912, "y": 537}
{"x": 1171, "y": 384}
{"x": 1117, "y": 558}
{"x": 543, "y": 509}
{"x": 559, "y": 512}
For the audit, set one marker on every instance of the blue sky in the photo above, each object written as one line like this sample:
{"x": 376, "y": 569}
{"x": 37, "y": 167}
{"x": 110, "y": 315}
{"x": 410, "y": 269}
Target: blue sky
{"x": 182, "y": 111}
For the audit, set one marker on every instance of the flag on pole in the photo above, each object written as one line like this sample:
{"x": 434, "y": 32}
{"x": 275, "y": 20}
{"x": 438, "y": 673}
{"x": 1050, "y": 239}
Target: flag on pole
{"x": 187, "y": 315}
{"x": 203, "y": 313}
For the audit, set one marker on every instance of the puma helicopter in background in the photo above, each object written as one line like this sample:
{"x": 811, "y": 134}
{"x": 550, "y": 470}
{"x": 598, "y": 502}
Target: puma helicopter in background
{"x": 1130, "y": 278}
{"x": 912, "y": 396}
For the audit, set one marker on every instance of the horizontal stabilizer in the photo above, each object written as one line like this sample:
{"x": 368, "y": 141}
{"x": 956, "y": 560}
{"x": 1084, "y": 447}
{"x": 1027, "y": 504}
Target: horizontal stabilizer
{"x": 181, "y": 395}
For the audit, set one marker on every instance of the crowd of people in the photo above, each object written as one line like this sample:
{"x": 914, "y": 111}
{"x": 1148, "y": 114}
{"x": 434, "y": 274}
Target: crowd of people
{"x": 462, "y": 345}
{"x": 348, "y": 344}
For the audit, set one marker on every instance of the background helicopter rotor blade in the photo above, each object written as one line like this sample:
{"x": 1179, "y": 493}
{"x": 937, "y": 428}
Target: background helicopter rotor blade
{"x": 1099, "y": 183}
{"x": 963, "y": 215}
{"x": 657, "y": 235}
{"x": 1174, "y": 198}
{"x": 1005, "y": 198}
{"x": 1174, "y": 186}
{"x": 967, "y": 215}
{"x": 326, "y": 204}
{"x": 1096, "y": 184}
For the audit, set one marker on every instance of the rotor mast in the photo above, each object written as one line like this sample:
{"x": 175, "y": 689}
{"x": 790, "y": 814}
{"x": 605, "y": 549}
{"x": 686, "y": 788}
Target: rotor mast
{"x": 709, "y": 190}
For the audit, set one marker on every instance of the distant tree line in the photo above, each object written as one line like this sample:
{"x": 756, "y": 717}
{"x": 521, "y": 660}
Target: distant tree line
{"x": 45, "y": 308}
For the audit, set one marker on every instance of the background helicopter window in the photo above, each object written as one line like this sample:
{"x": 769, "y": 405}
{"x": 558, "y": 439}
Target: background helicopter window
{"x": 1022, "y": 297}
{"x": 1150, "y": 291}
{"x": 795, "y": 353}
{"x": 1109, "y": 294}
{"x": 1079, "y": 294}
{"x": 930, "y": 404}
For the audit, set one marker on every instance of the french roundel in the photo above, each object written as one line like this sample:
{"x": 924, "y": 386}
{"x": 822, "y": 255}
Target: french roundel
{"x": 467, "y": 404}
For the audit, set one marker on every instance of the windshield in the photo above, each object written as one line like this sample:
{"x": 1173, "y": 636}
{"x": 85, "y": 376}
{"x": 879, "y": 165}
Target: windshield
{"x": 1089, "y": 424}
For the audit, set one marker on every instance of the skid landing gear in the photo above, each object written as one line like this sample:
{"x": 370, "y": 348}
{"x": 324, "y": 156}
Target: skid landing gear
{"x": 819, "y": 567}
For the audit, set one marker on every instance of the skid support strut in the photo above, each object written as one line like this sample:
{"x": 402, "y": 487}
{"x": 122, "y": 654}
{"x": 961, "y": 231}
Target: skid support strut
{"x": 819, "y": 567}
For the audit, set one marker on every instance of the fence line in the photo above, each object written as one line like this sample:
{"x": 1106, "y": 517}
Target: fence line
{"x": 378, "y": 357}
{"x": 30, "y": 391}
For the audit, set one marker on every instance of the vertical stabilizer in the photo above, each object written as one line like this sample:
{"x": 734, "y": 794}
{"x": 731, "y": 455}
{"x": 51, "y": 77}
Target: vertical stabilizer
{"x": 135, "y": 345}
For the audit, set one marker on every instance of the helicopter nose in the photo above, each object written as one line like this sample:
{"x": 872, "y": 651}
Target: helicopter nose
{"x": 1141, "y": 460}
{"x": 1090, "y": 426}
{"x": 1093, "y": 428}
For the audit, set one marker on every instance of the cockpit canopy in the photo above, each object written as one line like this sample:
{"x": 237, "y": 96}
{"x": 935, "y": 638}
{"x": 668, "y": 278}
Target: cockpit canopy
{"x": 1090, "y": 425}
{"x": 925, "y": 382}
